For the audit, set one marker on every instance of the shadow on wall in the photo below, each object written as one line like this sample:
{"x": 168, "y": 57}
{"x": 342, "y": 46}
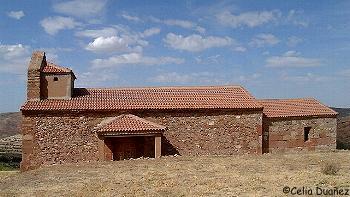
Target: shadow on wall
{"x": 80, "y": 92}
{"x": 168, "y": 148}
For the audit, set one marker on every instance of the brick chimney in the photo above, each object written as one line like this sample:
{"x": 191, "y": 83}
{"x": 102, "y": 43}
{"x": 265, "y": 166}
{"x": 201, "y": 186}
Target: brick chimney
{"x": 37, "y": 62}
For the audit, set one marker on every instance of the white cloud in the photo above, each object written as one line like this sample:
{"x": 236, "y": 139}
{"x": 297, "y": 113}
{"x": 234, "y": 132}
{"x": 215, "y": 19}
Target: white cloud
{"x": 345, "y": 73}
{"x": 134, "y": 59}
{"x": 52, "y": 53}
{"x": 249, "y": 78}
{"x": 291, "y": 59}
{"x": 195, "y": 42}
{"x": 296, "y": 18}
{"x": 81, "y": 8}
{"x": 262, "y": 40}
{"x": 16, "y": 14}
{"x": 14, "y": 58}
{"x": 249, "y": 19}
{"x": 100, "y": 78}
{"x": 150, "y": 32}
{"x": 53, "y": 25}
{"x": 95, "y": 33}
{"x": 117, "y": 39}
{"x": 116, "y": 44}
{"x": 293, "y": 41}
{"x": 174, "y": 77}
{"x": 308, "y": 77}
{"x": 214, "y": 59}
{"x": 131, "y": 18}
{"x": 240, "y": 49}
{"x": 180, "y": 23}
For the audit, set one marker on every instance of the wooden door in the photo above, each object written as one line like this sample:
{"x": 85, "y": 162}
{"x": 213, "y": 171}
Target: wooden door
{"x": 124, "y": 148}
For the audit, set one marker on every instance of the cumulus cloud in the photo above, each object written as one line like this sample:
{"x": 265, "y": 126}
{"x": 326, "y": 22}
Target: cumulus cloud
{"x": 81, "y": 8}
{"x": 116, "y": 39}
{"x": 291, "y": 59}
{"x": 116, "y": 44}
{"x": 180, "y": 23}
{"x": 95, "y": 33}
{"x": 14, "y": 58}
{"x": 293, "y": 41}
{"x": 134, "y": 59}
{"x": 150, "y": 32}
{"x": 249, "y": 19}
{"x": 16, "y": 14}
{"x": 53, "y": 25}
{"x": 195, "y": 42}
{"x": 262, "y": 40}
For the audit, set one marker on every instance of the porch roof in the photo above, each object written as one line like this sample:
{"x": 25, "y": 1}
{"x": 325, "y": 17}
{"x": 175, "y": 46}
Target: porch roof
{"x": 128, "y": 124}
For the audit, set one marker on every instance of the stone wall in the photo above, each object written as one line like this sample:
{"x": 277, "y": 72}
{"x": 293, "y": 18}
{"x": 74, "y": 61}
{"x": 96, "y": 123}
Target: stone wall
{"x": 343, "y": 133}
{"x": 210, "y": 132}
{"x": 60, "y": 89}
{"x": 62, "y": 137}
{"x": 37, "y": 61}
{"x": 58, "y": 139}
{"x": 287, "y": 134}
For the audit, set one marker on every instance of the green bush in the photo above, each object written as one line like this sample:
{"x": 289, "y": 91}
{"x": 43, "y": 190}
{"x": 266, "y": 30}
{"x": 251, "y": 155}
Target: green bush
{"x": 9, "y": 161}
{"x": 342, "y": 146}
{"x": 8, "y": 166}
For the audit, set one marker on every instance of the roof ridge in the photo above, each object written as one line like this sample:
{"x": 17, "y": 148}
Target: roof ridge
{"x": 166, "y": 87}
{"x": 145, "y": 121}
{"x": 126, "y": 123}
{"x": 295, "y": 107}
{"x": 286, "y": 99}
{"x": 62, "y": 68}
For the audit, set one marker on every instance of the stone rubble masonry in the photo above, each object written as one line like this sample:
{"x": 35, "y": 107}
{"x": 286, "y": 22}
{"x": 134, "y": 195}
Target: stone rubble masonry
{"x": 37, "y": 62}
{"x": 11, "y": 144}
{"x": 59, "y": 137}
{"x": 343, "y": 133}
{"x": 287, "y": 134}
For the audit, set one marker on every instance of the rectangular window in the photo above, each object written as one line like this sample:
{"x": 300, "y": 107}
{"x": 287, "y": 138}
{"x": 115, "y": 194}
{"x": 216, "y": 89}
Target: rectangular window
{"x": 306, "y": 133}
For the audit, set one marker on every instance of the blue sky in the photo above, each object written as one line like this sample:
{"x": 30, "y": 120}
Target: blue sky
{"x": 275, "y": 49}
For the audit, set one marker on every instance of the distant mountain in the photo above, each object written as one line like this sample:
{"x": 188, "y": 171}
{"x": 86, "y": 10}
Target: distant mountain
{"x": 343, "y": 112}
{"x": 9, "y": 124}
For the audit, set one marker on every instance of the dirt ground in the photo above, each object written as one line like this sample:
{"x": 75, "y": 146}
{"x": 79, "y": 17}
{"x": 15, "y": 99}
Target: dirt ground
{"x": 245, "y": 175}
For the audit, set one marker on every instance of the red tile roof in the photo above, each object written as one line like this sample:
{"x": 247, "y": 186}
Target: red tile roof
{"x": 129, "y": 124}
{"x": 213, "y": 97}
{"x": 295, "y": 107}
{"x": 53, "y": 68}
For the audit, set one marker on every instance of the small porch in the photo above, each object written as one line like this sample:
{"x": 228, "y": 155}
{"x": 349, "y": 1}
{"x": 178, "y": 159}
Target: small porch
{"x": 128, "y": 136}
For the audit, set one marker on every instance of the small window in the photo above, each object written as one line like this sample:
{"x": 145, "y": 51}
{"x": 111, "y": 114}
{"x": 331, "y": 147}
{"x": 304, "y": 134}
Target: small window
{"x": 55, "y": 79}
{"x": 306, "y": 133}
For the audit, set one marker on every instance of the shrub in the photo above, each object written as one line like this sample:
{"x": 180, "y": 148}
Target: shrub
{"x": 330, "y": 168}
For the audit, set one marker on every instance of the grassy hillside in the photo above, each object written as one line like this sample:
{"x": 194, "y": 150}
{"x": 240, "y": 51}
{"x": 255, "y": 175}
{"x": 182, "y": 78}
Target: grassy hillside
{"x": 9, "y": 124}
{"x": 245, "y": 175}
{"x": 343, "y": 112}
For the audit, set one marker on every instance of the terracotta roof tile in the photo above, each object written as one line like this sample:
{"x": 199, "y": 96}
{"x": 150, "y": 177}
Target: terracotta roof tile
{"x": 213, "y": 97}
{"x": 129, "y": 124}
{"x": 53, "y": 68}
{"x": 295, "y": 108}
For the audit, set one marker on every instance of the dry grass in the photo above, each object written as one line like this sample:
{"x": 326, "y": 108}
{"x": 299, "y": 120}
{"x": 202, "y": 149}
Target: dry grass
{"x": 245, "y": 175}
